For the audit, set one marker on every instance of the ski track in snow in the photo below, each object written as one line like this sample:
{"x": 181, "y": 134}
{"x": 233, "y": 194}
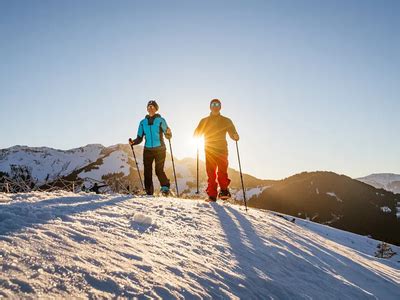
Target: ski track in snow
{"x": 100, "y": 246}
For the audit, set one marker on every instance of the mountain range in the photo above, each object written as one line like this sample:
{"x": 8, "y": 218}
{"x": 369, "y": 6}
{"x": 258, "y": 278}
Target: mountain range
{"x": 365, "y": 205}
{"x": 387, "y": 181}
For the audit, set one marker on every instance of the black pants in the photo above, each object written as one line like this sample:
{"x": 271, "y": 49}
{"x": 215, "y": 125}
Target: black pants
{"x": 157, "y": 155}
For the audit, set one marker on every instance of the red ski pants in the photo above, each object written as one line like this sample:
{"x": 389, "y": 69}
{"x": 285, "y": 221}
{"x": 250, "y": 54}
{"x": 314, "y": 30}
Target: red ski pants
{"x": 217, "y": 171}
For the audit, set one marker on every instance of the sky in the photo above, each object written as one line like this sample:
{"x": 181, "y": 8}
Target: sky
{"x": 310, "y": 85}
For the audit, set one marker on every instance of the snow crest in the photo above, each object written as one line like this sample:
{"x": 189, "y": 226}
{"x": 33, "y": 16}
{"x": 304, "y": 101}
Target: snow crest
{"x": 106, "y": 246}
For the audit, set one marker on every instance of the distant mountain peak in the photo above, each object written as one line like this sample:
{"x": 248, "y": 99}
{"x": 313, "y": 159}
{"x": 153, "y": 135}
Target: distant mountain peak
{"x": 387, "y": 181}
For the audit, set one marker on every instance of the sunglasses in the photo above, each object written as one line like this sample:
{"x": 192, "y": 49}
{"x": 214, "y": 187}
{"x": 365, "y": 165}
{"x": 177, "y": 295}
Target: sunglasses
{"x": 215, "y": 104}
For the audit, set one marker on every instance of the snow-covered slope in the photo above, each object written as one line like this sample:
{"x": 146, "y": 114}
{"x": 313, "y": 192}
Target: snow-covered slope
{"x": 46, "y": 164}
{"x": 84, "y": 245}
{"x": 94, "y": 162}
{"x": 115, "y": 162}
{"x": 387, "y": 181}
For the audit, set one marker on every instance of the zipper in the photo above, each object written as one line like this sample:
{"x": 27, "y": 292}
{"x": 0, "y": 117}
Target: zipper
{"x": 151, "y": 136}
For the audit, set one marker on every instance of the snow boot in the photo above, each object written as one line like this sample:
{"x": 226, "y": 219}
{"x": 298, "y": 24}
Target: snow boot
{"x": 165, "y": 191}
{"x": 224, "y": 194}
{"x": 211, "y": 199}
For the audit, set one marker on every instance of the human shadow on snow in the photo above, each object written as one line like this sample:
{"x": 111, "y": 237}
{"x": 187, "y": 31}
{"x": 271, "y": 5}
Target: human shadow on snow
{"x": 274, "y": 267}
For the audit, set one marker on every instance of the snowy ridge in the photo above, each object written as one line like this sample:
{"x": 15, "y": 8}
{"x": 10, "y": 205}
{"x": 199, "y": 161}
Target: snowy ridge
{"x": 95, "y": 162}
{"x": 387, "y": 181}
{"x": 85, "y": 245}
{"x": 47, "y": 164}
{"x": 113, "y": 163}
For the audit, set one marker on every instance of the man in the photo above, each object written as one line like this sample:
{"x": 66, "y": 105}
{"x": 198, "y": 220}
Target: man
{"x": 152, "y": 128}
{"x": 214, "y": 129}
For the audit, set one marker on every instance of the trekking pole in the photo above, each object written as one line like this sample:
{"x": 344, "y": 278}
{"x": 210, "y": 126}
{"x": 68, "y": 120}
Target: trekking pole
{"x": 137, "y": 167}
{"x": 197, "y": 178}
{"x": 241, "y": 175}
{"x": 173, "y": 167}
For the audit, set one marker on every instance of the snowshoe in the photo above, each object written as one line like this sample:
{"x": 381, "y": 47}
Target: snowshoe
{"x": 165, "y": 191}
{"x": 224, "y": 195}
{"x": 211, "y": 199}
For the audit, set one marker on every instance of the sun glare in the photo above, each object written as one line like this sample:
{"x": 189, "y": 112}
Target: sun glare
{"x": 198, "y": 142}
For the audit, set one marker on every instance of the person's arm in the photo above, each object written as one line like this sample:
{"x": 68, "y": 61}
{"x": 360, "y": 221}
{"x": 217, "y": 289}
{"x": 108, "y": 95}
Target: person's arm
{"x": 199, "y": 131}
{"x": 139, "y": 137}
{"x": 166, "y": 129}
{"x": 232, "y": 131}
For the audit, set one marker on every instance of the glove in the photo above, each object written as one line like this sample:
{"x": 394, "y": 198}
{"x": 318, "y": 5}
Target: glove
{"x": 168, "y": 134}
{"x": 235, "y": 137}
{"x": 130, "y": 142}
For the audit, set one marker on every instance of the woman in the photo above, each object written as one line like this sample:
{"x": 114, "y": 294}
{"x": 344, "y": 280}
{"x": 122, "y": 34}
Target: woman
{"x": 153, "y": 127}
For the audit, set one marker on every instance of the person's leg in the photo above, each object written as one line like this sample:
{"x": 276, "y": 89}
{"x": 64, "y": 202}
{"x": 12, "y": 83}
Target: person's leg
{"x": 160, "y": 161}
{"x": 223, "y": 179}
{"x": 148, "y": 158}
{"x": 211, "y": 168}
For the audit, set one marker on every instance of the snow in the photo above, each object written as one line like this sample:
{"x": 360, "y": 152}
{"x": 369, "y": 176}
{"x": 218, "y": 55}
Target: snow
{"x": 96, "y": 162}
{"x": 66, "y": 245}
{"x": 386, "y": 209}
{"x": 332, "y": 194}
{"x": 142, "y": 219}
{"x": 382, "y": 180}
{"x": 183, "y": 172}
{"x": 252, "y": 192}
{"x": 47, "y": 163}
{"x": 115, "y": 162}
